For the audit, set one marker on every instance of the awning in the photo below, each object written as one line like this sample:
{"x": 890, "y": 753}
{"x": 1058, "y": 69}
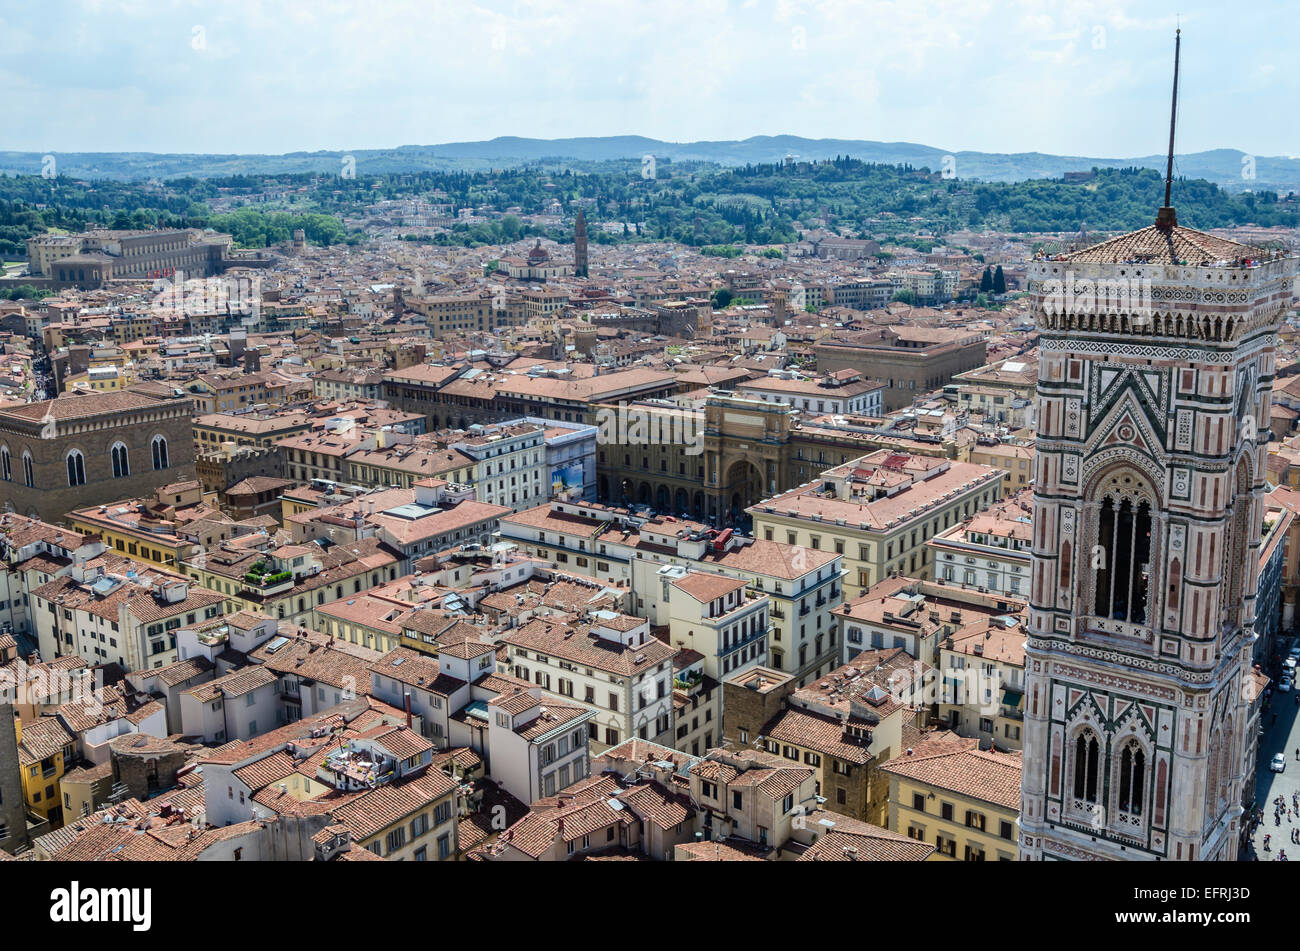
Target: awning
{"x": 1011, "y": 698}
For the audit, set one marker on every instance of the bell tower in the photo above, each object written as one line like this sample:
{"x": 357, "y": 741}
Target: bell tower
{"x": 580, "y": 245}
{"x": 1155, "y": 376}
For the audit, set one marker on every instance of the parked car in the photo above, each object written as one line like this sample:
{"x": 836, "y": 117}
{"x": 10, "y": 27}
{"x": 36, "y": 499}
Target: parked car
{"x": 1279, "y": 763}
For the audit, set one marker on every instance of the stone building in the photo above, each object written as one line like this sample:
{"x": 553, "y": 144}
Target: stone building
{"x": 80, "y": 450}
{"x": 221, "y": 467}
{"x": 908, "y": 360}
{"x": 13, "y": 814}
{"x": 713, "y": 462}
{"x": 96, "y": 257}
{"x": 143, "y": 765}
{"x": 1141, "y": 722}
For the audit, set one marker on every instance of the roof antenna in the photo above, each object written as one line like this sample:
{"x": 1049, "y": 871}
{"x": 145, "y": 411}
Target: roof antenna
{"x": 1166, "y": 218}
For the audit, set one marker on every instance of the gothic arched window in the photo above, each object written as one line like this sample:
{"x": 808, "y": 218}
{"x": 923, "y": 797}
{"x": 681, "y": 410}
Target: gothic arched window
{"x": 1214, "y": 765}
{"x": 121, "y": 465}
{"x": 76, "y": 468}
{"x": 1124, "y": 536}
{"x": 160, "y": 453}
{"x": 1087, "y": 755}
{"x": 29, "y": 477}
{"x": 6, "y": 467}
{"x": 1132, "y": 778}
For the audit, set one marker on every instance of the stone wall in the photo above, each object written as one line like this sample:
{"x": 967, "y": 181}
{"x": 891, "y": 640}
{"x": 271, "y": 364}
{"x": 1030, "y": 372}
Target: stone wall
{"x": 50, "y": 498}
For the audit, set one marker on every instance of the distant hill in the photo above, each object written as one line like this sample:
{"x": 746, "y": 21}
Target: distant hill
{"x": 1222, "y": 166}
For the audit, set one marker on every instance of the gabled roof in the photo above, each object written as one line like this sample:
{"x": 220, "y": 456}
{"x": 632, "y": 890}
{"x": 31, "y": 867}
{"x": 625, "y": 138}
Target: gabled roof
{"x": 985, "y": 775}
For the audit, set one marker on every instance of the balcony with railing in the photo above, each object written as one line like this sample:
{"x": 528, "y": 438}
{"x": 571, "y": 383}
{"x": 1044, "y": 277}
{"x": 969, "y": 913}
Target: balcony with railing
{"x": 758, "y": 635}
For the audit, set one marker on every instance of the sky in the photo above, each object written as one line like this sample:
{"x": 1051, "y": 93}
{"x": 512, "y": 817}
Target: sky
{"x": 1076, "y": 77}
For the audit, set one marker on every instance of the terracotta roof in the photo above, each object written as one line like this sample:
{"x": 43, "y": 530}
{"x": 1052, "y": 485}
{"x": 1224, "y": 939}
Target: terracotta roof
{"x": 576, "y": 643}
{"x": 723, "y": 850}
{"x": 815, "y": 731}
{"x": 980, "y": 774}
{"x": 42, "y": 738}
{"x": 879, "y": 845}
{"x": 708, "y": 587}
{"x": 78, "y": 407}
{"x": 1151, "y": 245}
{"x": 388, "y": 805}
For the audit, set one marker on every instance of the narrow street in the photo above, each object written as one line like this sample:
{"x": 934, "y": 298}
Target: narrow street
{"x": 1280, "y": 721}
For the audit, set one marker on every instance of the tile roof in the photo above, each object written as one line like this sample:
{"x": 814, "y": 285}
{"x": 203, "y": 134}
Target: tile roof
{"x": 234, "y": 684}
{"x": 1151, "y": 245}
{"x": 705, "y": 587}
{"x": 878, "y": 845}
{"x": 815, "y": 731}
{"x": 576, "y": 643}
{"x": 317, "y": 663}
{"x": 579, "y": 810}
{"x": 986, "y": 775}
{"x": 42, "y": 737}
{"x": 67, "y": 407}
{"x": 380, "y": 808}
{"x": 724, "y": 850}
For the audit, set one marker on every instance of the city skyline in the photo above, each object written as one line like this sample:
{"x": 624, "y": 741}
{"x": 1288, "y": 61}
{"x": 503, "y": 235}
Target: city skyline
{"x": 521, "y": 431}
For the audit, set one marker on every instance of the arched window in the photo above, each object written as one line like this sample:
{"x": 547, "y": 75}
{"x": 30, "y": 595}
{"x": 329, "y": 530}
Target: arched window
{"x": 1086, "y": 757}
{"x": 1132, "y": 778}
{"x": 1064, "y": 580}
{"x": 29, "y": 477}
{"x": 1214, "y": 764}
{"x": 121, "y": 465}
{"x": 160, "y": 453}
{"x": 1124, "y": 535}
{"x": 76, "y": 468}
{"x": 6, "y": 467}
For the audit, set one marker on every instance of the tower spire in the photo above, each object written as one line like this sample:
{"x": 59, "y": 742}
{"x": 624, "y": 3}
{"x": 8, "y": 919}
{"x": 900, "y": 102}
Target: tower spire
{"x": 1166, "y": 219}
